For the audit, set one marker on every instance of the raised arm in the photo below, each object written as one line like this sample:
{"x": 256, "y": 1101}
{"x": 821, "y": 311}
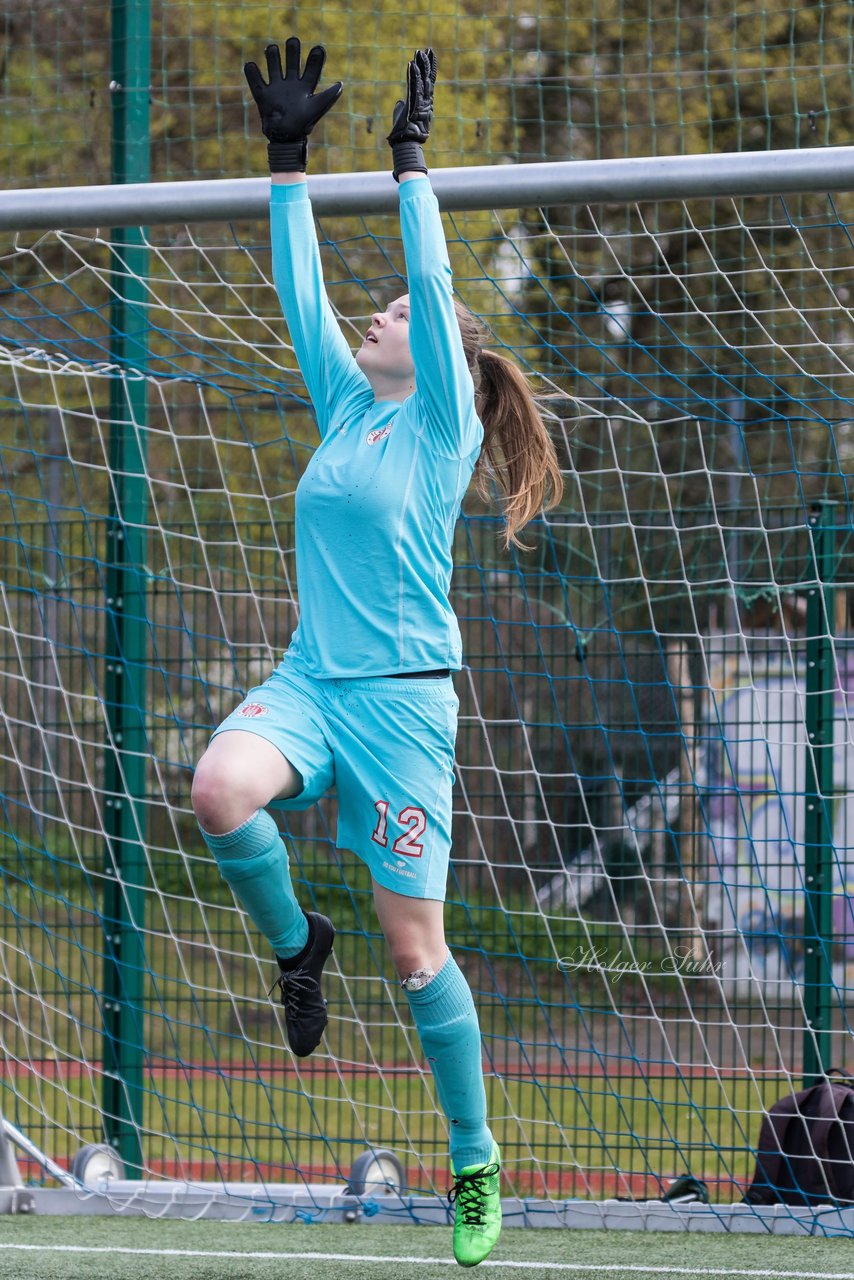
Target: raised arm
{"x": 443, "y": 383}
{"x": 289, "y": 109}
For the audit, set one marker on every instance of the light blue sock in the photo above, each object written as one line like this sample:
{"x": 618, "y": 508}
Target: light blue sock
{"x": 445, "y": 1016}
{"x": 253, "y": 860}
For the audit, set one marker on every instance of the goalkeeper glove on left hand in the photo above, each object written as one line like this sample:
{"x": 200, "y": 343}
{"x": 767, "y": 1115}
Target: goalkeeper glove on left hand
{"x": 413, "y": 118}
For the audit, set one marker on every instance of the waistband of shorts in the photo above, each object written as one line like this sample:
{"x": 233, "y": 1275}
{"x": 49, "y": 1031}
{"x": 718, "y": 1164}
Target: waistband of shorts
{"x": 439, "y": 687}
{"x": 438, "y": 674}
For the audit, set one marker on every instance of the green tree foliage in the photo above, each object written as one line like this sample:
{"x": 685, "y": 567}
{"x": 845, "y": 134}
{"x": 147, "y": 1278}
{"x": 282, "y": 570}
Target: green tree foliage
{"x": 720, "y": 314}
{"x": 710, "y": 338}
{"x": 628, "y": 78}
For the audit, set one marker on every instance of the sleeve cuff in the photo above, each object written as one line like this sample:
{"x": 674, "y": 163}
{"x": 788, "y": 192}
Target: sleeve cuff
{"x": 414, "y": 188}
{"x": 288, "y": 192}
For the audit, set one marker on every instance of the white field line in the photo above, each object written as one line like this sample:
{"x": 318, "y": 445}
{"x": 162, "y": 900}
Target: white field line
{"x": 267, "y": 1256}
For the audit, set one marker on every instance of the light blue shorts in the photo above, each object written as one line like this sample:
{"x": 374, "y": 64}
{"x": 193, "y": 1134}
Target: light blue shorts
{"x": 387, "y": 745}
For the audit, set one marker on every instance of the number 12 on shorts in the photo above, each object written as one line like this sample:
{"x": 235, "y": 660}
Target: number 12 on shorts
{"x": 414, "y": 821}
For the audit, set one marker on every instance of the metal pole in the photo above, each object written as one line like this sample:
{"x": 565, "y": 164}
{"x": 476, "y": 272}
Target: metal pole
{"x": 125, "y": 682}
{"x": 496, "y": 186}
{"x": 818, "y": 819}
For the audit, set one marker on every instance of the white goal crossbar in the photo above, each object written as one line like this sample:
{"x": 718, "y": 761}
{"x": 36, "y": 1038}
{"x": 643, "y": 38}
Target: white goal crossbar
{"x": 746, "y": 173}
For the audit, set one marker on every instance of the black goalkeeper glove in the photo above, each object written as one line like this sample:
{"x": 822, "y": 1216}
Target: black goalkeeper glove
{"x": 288, "y": 106}
{"x": 412, "y": 118}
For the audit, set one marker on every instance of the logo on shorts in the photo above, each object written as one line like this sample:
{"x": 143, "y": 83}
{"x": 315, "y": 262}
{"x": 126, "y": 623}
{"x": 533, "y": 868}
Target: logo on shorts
{"x": 378, "y": 433}
{"x": 389, "y": 866}
{"x": 250, "y": 709}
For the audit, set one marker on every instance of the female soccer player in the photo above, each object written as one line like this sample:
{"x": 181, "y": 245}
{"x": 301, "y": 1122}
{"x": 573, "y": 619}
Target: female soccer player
{"x": 363, "y": 697}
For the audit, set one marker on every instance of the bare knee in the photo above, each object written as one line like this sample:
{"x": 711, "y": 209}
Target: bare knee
{"x": 219, "y": 797}
{"x": 409, "y": 955}
{"x": 237, "y": 775}
{"x": 414, "y": 930}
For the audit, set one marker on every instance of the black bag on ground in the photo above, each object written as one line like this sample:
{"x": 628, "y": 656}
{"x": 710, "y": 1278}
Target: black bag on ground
{"x": 805, "y": 1154}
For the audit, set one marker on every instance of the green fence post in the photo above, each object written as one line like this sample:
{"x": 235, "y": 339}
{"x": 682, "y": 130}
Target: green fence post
{"x": 126, "y": 641}
{"x": 818, "y": 798}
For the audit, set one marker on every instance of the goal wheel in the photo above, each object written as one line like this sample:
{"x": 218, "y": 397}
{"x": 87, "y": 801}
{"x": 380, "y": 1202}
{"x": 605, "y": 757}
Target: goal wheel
{"x": 95, "y": 1164}
{"x": 376, "y": 1173}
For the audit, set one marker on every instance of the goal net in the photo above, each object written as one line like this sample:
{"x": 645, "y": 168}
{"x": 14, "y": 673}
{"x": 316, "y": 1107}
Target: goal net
{"x": 649, "y": 890}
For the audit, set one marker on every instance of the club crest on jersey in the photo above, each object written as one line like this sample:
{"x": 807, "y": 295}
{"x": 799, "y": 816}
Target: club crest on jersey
{"x": 251, "y": 709}
{"x": 378, "y": 433}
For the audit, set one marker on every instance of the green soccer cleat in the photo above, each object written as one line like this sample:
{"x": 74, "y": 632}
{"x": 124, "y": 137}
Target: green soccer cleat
{"x": 477, "y": 1224}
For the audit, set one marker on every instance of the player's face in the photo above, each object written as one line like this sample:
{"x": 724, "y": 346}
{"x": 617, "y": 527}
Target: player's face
{"x": 385, "y": 348}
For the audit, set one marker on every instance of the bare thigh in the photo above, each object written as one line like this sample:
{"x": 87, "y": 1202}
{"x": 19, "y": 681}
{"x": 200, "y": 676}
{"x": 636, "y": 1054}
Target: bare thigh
{"x": 414, "y": 930}
{"x": 239, "y": 773}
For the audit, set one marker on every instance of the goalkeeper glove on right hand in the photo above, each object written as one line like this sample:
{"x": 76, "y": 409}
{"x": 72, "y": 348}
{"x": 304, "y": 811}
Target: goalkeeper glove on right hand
{"x": 288, "y": 106}
{"x": 413, "y": 118}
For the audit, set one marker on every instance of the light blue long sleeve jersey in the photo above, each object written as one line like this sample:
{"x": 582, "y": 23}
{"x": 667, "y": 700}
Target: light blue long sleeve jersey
{"x": 378, "y": 501}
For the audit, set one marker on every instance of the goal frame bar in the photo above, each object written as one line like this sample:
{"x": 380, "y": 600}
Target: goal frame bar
{"x": 477, "y": 187}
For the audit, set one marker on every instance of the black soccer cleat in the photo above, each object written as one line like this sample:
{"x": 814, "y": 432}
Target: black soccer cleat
{"x": 302, "y": 999}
